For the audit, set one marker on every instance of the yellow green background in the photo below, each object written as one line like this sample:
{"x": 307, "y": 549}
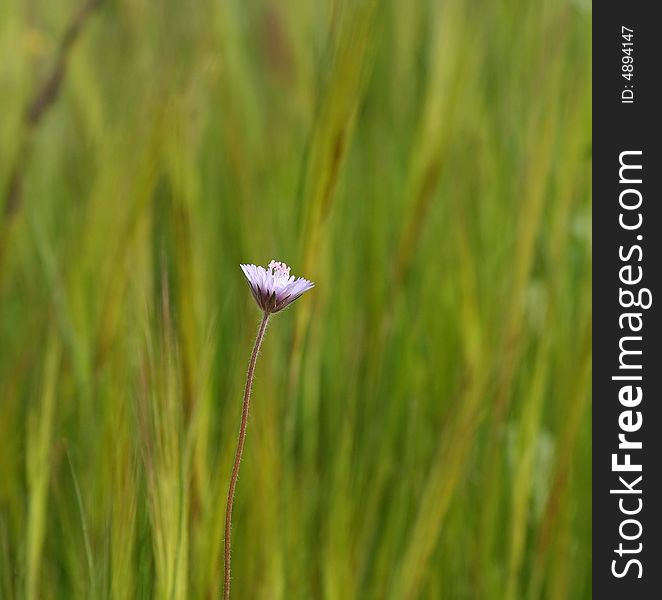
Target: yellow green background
{"x": 420, "y": 424}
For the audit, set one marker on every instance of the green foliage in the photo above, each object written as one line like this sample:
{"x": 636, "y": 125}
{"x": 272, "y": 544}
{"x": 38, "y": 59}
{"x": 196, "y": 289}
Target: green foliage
{"x": 420, "y": 420}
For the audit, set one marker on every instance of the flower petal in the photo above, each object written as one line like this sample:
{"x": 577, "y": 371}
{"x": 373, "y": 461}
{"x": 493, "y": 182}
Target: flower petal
{"x": 273, "y": 288}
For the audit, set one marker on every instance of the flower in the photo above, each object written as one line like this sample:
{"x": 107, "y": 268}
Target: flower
{"x": 273, "y": 288}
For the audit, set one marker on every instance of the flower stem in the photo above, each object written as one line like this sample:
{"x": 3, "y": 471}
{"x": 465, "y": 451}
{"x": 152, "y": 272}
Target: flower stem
{"x": 240, "y": 449}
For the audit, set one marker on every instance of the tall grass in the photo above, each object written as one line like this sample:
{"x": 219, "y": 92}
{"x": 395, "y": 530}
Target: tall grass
{"x": 420, "y": 421}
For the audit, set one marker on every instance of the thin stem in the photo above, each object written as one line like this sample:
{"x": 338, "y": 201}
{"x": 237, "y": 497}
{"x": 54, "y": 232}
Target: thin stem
{"x": 240, "y": 449}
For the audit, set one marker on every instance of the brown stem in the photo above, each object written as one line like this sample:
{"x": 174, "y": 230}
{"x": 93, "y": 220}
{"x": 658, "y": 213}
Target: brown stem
{"x": 240, "y": 449}
{"x": 44, "y": 98}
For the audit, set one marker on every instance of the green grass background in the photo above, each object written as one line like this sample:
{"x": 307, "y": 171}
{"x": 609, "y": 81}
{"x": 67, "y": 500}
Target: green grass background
{"x": 420, "y": 425}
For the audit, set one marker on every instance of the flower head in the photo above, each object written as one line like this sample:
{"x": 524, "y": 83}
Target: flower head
{"x": 273, "y": 288}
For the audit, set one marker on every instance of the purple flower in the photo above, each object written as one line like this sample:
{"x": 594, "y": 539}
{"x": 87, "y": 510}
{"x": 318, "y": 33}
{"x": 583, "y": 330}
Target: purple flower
{"x": 273, "y": 288}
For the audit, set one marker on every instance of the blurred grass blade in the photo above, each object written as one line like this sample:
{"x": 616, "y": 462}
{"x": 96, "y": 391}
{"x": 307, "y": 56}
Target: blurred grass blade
{"x": 38, "y": 468}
